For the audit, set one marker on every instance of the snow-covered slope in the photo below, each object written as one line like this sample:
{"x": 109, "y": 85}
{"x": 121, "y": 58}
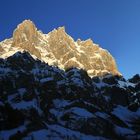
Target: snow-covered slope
{"x": 59, "y": 49}
{"x": 38, "y": 101}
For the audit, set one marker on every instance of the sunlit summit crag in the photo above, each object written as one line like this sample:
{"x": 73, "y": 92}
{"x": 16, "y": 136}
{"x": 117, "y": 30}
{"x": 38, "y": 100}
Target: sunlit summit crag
{"x": 59, "y": 49}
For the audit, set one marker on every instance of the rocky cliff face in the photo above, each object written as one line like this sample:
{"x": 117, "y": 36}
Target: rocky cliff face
{"x": 38, "y": 101}
{"x": 59, "y": 49}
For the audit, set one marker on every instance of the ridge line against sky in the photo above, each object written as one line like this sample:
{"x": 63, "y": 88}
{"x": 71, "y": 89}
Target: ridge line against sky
{"x": 114, "y": 25}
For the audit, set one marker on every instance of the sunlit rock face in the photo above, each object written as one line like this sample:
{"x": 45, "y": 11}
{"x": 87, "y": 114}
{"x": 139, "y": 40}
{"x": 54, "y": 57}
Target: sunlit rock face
{"x": 25, "y": 32}
{"x": 59, "y": 49}
{"x": 25, "y": 36}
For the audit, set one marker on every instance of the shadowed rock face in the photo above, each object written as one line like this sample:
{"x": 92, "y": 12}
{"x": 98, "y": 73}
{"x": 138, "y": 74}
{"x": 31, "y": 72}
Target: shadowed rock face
{"x": 36, "y": 98}
{"x": 58, "y": 48}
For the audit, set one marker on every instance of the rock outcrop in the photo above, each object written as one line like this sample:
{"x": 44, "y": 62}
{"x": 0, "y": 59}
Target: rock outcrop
{"x": 25, "y": 36}
{"x": 59, "y": 49}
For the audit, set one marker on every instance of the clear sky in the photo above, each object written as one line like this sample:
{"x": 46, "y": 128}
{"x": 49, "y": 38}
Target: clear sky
{"x": 113, "y": 24}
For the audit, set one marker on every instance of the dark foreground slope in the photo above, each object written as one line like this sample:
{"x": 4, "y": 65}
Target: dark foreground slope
{"x": 41, "y": 102}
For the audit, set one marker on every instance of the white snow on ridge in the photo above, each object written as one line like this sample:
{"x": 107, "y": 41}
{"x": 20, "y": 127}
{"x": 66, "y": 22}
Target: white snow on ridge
{"x": 125, "y": 114}
{"x": 46, "y": 79}
{"x": 74, "y": 60}
{"x": 27, "y": 105}
{"x": 123, "y": 131}
{"x": 57, "y": 132}
{"x": 123, "y": 84}
{"x": 4, "y": 70}
{"x": 81, "y": 112}
{"x": 73, "y": 134}
{"x": 60, "y": 103}
{"x": 5, "y": 134}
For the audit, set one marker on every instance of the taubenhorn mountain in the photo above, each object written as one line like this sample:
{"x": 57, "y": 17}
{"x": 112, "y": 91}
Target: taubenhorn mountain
{"x": 59, "y": 49}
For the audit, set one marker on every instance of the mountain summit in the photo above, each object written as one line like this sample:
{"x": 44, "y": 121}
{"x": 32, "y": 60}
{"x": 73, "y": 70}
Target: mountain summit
{"x": 59, "y": 49}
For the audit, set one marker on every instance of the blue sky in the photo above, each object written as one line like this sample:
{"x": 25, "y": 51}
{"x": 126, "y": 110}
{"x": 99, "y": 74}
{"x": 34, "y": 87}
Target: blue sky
{"x": 113, "y": 24}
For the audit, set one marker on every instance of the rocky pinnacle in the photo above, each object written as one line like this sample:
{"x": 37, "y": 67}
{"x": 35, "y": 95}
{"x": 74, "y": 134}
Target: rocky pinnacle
{"x": 59, "y": 49}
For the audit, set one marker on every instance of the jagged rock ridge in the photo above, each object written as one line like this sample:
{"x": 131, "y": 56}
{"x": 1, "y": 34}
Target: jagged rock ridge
{"x": 59, "y": 49}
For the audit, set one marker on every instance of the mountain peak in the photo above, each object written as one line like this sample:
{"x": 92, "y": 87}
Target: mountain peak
{"x": 25, "y": 32}
{"x": 26, "y": 22}
{"x": 59, "y": 49}
{"x": 25, "y": 37}
{"x": 61, "y": 29}
{"x": 26, "y": 25}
